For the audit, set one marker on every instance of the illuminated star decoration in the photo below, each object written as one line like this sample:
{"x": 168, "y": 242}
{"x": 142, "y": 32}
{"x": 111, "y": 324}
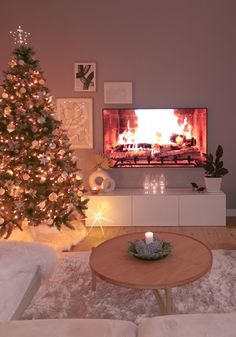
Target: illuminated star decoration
{"x": 97, "y": 218}
{"x": 20, "y": 37}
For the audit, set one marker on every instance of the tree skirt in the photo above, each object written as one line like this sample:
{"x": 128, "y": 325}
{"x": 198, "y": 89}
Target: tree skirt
{"x": 67, "y": 293}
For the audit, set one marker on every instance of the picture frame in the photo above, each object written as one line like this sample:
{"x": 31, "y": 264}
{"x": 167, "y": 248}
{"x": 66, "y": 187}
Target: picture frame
{"x": 85, "y": 76}
{"x": 76, "y": 115}
{"x": 118, "y": 92}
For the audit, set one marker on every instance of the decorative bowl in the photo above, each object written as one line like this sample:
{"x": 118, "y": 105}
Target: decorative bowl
{"x": 155, "y": 250}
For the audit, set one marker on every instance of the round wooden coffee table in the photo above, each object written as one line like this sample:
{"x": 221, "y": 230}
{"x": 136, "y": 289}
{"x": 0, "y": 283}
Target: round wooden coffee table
{"x": 190, "y": 259}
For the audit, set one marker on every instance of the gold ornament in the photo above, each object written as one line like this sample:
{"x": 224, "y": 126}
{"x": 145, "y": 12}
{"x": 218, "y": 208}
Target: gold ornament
{"x": 49, "y": 222}
{"x": 53, "y": 146}
{"x": 52, "y": 196}
{"x": 42, "y": 82}
{"x": 7, "y": 110}
{"x": 60, "y": 180}
{"x": 2, "y": 191}
{"x": 42, "y": 204}
{"x": 35, "y": 143}
{"x": 21, "y": 62}
{"x": 1, "y": 221}
{"x": 78, "y": 176}
{"x": 4, "y": 95}
{"x": 79, "y": 193}
{"x": 26, "y": 176}
{"x": 9, "y": 77}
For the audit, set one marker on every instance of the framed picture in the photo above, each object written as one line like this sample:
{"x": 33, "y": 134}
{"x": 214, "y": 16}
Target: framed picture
{"x": 85, "y": 76}
{"x": 118, "y": 93}
{"x": 76, "y": 115}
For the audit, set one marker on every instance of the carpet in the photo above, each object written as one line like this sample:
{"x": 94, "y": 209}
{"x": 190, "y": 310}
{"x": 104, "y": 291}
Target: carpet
{"x": 67, "y": 293}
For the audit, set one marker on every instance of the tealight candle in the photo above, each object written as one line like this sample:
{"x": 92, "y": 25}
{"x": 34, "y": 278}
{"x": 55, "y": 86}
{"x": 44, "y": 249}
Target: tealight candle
{"x": 94, "y": 190}
{"x": 148, "y": 237}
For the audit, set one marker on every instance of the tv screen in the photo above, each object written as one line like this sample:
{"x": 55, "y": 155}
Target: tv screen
{"x": 155, "y": 137}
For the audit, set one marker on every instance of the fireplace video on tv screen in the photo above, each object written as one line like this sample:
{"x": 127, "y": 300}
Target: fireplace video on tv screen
{"x": 155, "y": 137}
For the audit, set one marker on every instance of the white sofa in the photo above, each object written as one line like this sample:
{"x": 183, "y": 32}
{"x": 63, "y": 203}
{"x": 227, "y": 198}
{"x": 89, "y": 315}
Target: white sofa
{"x": 194, "y": 325}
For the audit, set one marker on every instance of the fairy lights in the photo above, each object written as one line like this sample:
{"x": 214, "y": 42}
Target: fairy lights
{"x": 20, "y": 36}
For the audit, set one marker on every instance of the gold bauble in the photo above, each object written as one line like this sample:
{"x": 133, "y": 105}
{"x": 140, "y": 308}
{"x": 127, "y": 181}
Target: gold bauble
{"x": 4, "y": 95}
{"x": 26, "y": 176}
{"x": 52, "y": 196}
{"x": 1, "y": 221}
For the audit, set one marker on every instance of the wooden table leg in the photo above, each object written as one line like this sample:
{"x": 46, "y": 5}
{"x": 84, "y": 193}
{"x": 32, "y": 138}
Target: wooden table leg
{"x": 164, "y": 302}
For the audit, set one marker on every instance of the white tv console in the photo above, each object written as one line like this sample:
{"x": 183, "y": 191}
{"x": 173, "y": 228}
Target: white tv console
{"x": 176, "y": 207}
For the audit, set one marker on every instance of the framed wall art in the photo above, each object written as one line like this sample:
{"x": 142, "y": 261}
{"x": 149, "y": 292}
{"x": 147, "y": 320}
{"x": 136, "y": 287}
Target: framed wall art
{"x": 76, "y": 115}
{"x": 118, "y": 93}
{"x": 85, "y": 76}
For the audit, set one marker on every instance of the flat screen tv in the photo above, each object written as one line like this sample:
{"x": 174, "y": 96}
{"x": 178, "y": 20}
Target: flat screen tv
{"x": 155, "y": 137}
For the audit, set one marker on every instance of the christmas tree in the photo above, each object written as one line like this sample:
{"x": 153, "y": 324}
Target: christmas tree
{"x": 39, "y": 179}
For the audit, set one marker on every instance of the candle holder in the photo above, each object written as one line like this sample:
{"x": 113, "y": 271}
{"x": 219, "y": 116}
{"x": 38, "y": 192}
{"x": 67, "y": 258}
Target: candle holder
{"x": 155, "y": 250}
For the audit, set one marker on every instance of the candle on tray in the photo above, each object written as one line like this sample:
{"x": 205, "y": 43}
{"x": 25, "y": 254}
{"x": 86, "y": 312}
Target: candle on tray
{"x": 148, "y": 237}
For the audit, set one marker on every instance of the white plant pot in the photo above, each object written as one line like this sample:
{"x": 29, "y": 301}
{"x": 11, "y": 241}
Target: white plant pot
{"x": 213, "y": 185}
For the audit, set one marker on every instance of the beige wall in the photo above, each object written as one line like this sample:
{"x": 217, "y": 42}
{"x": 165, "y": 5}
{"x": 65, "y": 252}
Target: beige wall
{"x": 178, "y": 53}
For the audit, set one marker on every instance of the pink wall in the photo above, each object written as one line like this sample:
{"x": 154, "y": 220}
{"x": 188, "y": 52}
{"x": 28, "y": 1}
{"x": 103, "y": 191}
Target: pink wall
{"x": 177, "y": 53}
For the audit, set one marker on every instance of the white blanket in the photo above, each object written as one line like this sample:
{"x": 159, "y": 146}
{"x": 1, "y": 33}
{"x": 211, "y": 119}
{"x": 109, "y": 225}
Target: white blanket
{"x": 18, "y": 264}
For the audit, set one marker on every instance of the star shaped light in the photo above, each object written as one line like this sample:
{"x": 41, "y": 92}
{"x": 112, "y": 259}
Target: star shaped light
{"x": 97, "y": 218}
{"x": 20, "y": 36}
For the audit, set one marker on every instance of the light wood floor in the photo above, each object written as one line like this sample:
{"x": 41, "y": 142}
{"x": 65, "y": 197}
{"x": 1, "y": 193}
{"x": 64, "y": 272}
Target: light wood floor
{"x": 215, "y": 237}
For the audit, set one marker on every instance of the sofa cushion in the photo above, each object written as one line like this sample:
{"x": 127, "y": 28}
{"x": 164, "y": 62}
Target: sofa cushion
{"x": 68, "y": 328}
{"x": 191, "y": 325}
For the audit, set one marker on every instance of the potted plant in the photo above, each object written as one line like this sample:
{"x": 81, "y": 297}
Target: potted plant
{"x": 214, "y": 170}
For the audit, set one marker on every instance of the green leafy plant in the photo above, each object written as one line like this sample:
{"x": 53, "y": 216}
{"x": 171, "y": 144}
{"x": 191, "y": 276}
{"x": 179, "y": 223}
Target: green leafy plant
{"x": 214, "y": 166}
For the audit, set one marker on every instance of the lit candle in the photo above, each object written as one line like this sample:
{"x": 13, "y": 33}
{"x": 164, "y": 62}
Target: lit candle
{"x": 148, "y": 237}
{"x": 94, "y": 190}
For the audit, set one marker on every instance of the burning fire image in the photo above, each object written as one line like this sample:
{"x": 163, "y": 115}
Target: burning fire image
{"x": 155, "y": 137}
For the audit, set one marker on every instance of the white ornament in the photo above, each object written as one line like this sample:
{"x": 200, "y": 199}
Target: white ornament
{"x": 60, "y": 180}
{"x": 52, "y": 196}
{"x": 41, "y": 120}
{"x": 1, "y": 221}
{"x": 22, "y": 90}
{"x": 26, "y": 176}
{"x": 64, "y": 174}
{"x": 11, "y": 127}
{"x": 42, "y": 82}
{"x": 21, "y": 62}
{"x": 49, "y": 221}
{"x": 53, "y": 146}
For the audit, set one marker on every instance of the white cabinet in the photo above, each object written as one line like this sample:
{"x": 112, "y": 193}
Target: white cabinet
{"x": 202, "y": 210}
{"x": 155, "y": 210}
{"x": 176, "y": 207}
{"x": 110, "y": 210}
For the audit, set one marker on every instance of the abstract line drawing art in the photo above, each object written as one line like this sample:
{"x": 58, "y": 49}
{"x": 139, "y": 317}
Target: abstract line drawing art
{"x": 76, "y": 115}
{"x": 85, "y": 77}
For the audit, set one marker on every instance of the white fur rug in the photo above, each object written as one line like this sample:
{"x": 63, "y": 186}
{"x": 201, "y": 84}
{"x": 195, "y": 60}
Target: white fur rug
{"x": 67, "y": 293}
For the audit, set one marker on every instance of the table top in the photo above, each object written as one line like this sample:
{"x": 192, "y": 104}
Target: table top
{"x": 190, "y": 259}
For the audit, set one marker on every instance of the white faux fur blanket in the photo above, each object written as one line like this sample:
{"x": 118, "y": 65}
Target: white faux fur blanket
{"x": 18, "y": 257}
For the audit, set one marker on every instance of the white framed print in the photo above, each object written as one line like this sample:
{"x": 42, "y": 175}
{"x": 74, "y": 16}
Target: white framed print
{"x": 85, "y": 76}
{"x": 118, "y": 92}
{"x": 76, "y": 115}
